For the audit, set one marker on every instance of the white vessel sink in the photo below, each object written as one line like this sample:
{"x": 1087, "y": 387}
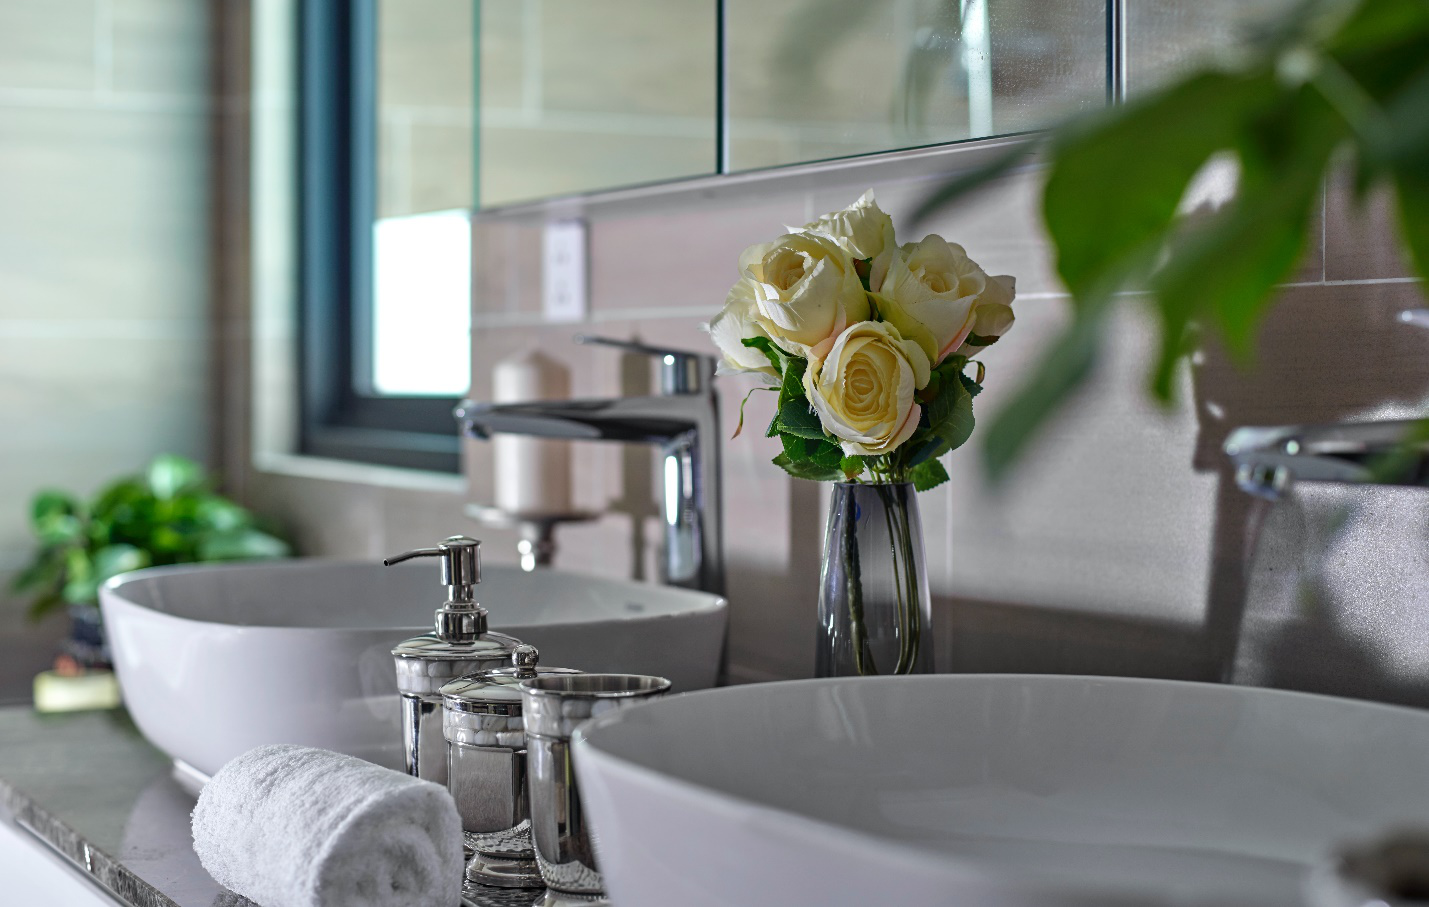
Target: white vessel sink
{"x": 216, "y": 659}
{"x": 992, "y": 790}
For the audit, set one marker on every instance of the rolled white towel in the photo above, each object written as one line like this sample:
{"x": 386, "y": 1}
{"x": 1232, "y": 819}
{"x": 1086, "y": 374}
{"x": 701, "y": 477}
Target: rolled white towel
{"x": 290, "y": 826}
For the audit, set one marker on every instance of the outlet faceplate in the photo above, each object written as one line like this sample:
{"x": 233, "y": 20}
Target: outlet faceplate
{"x": 563, "y": 271}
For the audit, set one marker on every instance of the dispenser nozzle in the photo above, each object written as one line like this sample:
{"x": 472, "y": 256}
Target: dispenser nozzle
{"x": 460, "y": 619}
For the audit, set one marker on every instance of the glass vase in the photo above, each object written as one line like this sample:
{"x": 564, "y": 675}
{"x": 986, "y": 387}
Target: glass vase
{"x": 875, "y": 616}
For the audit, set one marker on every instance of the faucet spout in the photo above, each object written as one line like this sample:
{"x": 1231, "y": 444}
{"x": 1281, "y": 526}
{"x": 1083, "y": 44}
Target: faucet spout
{"x": 649, "y": 420}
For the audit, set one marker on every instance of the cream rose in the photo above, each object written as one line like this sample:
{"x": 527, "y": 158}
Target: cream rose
{"x": 991, "y": 319}
{"x": 864, "y": 231}
{"x": 806, "y": 291}
{"x": 736, "y": 322}
{"x": 933, "y": 292}
{"x": 863, "y": 389}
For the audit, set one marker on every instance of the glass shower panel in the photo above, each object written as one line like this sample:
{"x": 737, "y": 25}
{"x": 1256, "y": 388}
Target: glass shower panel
{"x": 577, "y": 96}
{"x": 816, "y": 79}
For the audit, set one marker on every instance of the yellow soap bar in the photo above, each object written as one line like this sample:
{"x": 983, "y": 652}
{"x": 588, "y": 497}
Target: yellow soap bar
{"x": 90, "y": 690}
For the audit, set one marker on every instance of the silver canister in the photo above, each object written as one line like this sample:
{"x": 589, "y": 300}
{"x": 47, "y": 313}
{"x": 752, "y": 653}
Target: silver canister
{"x": 458, "y": 645}
{"x": 486, "y": 769}
{"x": 554, "y": 707}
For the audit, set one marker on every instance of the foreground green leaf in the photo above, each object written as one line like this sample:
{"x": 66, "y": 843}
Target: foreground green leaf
{"x": 928, "y": 475}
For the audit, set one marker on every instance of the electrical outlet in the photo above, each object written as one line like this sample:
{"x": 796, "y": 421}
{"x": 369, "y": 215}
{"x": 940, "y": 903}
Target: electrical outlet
{"x": 563, "y": 271}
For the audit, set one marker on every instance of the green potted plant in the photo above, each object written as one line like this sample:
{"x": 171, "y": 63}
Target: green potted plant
{"x": 167, "y": 515}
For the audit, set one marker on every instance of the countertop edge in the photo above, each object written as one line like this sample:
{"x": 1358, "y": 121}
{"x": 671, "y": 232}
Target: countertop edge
{"x": 102, "y": 869}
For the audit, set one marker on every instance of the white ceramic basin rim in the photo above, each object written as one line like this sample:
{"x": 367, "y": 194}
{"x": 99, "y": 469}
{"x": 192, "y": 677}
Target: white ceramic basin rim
{"x": 216, "y": 659}
{"x": 1006, "y": 789}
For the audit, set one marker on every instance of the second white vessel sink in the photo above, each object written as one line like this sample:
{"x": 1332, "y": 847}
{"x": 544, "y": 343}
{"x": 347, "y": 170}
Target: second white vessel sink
{"x": 992, "y": 790}
{"x": 216, "y": 659}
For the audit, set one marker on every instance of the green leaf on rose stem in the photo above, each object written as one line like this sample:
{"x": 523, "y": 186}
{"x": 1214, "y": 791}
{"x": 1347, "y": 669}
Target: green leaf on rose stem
{"x": 928, "y": 474}
{"x": 807, "y": 469}
{"x": 930, "y": 390}
{"x": 797, "y": 417}
{"x": 791, "y": 386}
{"x": 950, "y": 423}
{"x": 1119, "y": 175}
{"x": 740, "y": 427}
{"x": 851, "y": 467}
{"x": 825, "y": 453}
{"x": 776, "y": 356}
{"x": 773, "y": 430}
{"x": 969, "y": 385}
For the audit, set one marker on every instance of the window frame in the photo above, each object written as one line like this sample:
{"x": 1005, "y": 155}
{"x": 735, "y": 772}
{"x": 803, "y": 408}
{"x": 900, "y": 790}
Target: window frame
{"x": 340, "y": 416}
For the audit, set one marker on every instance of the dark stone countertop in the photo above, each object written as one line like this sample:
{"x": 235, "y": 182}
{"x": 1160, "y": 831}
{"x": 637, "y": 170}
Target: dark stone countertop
{"x": 95, "y": 790}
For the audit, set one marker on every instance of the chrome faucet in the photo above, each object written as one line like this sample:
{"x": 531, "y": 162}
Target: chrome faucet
{"x": 682, "y": 421}
{"x": 1268, "y": 459}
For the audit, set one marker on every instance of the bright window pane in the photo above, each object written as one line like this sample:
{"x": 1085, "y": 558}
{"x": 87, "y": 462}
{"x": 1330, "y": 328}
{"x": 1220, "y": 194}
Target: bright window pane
{"x": 421, "y": 317}
{"x": 421, "y": 341}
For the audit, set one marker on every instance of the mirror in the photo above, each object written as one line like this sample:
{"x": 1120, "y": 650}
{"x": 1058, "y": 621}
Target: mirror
{"x": 817, "y": 79}
{"x": 575, "y": 96}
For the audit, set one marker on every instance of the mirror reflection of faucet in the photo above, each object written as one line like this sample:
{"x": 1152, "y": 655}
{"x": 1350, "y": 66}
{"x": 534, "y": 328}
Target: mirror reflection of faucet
{"x": 681, "y": 420}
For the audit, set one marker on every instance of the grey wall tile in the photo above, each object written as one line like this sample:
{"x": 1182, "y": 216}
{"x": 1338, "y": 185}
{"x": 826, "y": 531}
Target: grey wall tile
{"x": 47, "y": 44}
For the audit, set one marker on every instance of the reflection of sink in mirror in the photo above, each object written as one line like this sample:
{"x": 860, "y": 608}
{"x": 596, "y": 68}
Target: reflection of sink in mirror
{"x": 1026, "y": 790}
{"x": 216, "y": 659}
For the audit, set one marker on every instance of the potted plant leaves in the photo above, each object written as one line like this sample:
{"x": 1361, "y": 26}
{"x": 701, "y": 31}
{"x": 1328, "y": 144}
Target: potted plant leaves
{"x": 169, "y": 514}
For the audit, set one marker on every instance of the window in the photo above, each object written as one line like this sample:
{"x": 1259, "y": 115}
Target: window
{"x": 385, "y": 173}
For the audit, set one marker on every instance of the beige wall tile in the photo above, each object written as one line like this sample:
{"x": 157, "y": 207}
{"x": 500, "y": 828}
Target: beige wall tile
{"x": 520, "y": 164}
{"x": 630, "y": 56}
{"x": 442, "y": 166}
{"x": 104, "y": 215}
{"x": 1362, "y": 237}
{"x": 47, "y": 44}
{"x": 81, "y": 411}
{"x": 425, "y": 53}
{"x": 160, "y": 47}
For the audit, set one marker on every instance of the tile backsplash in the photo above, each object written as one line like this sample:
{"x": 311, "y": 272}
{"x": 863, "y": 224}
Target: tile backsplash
{"x": 1122, "y": 544}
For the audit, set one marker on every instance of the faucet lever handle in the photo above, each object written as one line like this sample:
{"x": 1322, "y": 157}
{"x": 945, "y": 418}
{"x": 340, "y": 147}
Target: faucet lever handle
{"x": 681, "y": 371}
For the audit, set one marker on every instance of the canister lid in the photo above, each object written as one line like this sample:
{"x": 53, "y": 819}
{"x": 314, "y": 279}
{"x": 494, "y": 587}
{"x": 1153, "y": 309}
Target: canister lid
{"x": 494, "y": 647}
{"x": 498, "y": 691}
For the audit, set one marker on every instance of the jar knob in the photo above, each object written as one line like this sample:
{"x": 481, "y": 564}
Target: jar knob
{"x": 525, "y": 657}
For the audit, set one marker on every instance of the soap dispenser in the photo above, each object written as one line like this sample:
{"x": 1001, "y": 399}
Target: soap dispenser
{"x": 459, "y": 645}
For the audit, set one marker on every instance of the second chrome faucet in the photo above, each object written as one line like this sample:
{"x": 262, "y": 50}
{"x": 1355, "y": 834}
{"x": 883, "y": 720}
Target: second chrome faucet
{"x": 681, "y": 421}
